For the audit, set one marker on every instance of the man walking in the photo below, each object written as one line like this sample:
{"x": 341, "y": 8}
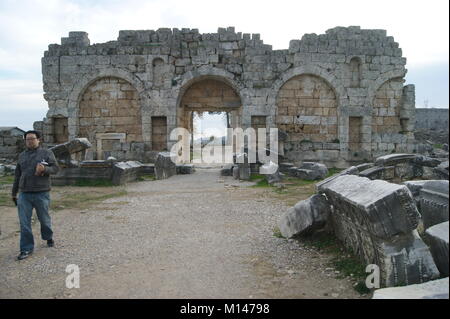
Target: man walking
{"x": 32, "y": 179}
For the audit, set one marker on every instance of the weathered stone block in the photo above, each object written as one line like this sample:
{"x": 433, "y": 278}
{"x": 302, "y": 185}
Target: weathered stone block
{"x": 436, "y": 289}
{"x": 434, "y": 202}
{"x": 185, "y": 169}
{"x": 393, "y": 159}
{"x": 271, "y": 172}
{"x": 227, "y": 170}
{"x": 438, "y": 237}
{"x": 377, "y": 220}
{"x": 165, "y": 165}
{"x": 319, "y": 170}
{"x": 124, "y": 172}
{"x": 305, "y": 217}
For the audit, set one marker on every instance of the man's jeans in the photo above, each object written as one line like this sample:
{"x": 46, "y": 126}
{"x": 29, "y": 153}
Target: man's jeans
{"x": 25, "y": 203}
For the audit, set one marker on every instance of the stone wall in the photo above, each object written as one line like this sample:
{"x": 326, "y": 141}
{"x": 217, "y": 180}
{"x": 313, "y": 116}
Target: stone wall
{"x": 432, "y": 119}
{"x": 311, "y": 89}
{"x": 10, "y": 146}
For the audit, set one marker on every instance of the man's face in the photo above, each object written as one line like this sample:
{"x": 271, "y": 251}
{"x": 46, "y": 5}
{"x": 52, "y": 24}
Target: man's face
{"x": 31, "y": 141}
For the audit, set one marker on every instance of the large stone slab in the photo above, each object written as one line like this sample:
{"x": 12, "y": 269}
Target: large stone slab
{"x": 436, "y": 289}
{"x": 63, "y": 151}
{"x": 393, "y": 159}
{"x": 377, "y": 220}
{"x": 165, "y": 165}
{"x": 352, "y": 170}
{"x": 438, "y": 237}
{"x": 124, "y": 172}
{"x": 434, "y": 202}
{"x": 305, "y": 217}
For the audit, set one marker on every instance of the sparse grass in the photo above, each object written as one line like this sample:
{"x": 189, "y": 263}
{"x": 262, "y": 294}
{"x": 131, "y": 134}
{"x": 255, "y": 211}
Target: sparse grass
{"x": 144, "y": 178}
{"x": 333, "y": 170}
{"x": 342, "y": 260}
{"x": 83, "y": 200}
{"x": 93, "y": 183}
{"x": 277, "y": 232}
{"x": 5, "y": 180}
{"x": 437, "y": 146}
{"x": 5, "y": 200}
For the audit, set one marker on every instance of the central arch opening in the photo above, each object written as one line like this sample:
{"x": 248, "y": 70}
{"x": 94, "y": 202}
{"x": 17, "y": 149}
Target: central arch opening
{"x": 207, "y": 108}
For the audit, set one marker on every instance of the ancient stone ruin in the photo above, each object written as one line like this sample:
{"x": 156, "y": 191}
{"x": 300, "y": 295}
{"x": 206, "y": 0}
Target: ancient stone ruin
{"x": 400, "y": 226}
{"x": 337, "y": 97}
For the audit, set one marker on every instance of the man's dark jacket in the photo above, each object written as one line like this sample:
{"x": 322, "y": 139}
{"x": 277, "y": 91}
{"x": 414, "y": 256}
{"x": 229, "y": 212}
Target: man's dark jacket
{"x": 25, "y": 178}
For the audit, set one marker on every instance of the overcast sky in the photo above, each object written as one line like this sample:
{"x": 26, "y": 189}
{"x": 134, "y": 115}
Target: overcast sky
{"x": 27, "y": 28}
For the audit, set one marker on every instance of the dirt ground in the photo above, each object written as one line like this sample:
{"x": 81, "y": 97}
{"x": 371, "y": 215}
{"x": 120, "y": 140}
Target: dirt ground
{"x": 190, "y": 236}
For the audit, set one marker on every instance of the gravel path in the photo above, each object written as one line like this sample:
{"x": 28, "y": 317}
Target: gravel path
{"x": 190, "y": 236}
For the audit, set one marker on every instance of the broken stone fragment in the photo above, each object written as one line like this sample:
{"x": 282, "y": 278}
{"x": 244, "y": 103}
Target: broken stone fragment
{"x": 271, "y": 172}
{"x": 165, "y": 165}
{"x": 73, "y": 146}
{"x": 352, "y": 170}
{"x": 227, "y": 170}
{"x": 305, "y": 217}
{"x": 436, "y": 289}
{"x": 124, "y": 172}
{"x": 393, "y": 159}
{"x": 185, "y": 169}
{"x": 438, "y": 237}
{"x": 377, "y": 220}
{"x": 441, "y": 171}
{"x": 434, "y": 202}
{"x": 319, "y": 170}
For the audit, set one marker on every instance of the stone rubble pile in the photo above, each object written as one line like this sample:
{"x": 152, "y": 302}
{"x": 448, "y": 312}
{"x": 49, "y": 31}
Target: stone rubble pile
{"x": 402, "y": 228}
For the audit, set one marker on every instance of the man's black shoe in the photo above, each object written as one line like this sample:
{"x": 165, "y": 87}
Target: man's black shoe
{"x": 24, "y": 254}
{"x": 50, "y": 243}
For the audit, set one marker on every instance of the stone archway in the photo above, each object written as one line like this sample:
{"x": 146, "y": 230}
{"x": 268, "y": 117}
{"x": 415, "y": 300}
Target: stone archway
{"x": 306, "y": 109}
{"x": 209, "y": 95}
{"x": 109, "y": 107}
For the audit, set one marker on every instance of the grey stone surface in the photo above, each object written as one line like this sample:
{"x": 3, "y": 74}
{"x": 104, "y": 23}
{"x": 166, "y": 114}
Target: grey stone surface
{"x": 254, "y": 70}
{"x": 305, "y": 217}
{"x": 377, "y": 220}
{"x": 441, "y": 171}
{"x": 73, "y": 146}
{"x": 185, "y": 169}
{"x": 434, "y": 202}
{"x": 352, "y": 170}
{"x": 423, "y": 160}
{"x": 227, "y": 170}
{"x": 364, "y": 166}
{"x": 124, "y": 172}
{"x": 271, "y": 171}
{"x": 436, "y": 289}
{"x": 165, "y": 165}
{"x": 284, "y": 167}
{"x": 244, "y": 166}
{"x": 393, "y": 159}
{"x": 438, "y": 237}
{"x": 235, "y": 172}
{"x": 319, "y": 170}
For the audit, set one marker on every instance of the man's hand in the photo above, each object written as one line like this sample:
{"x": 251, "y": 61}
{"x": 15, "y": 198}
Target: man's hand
{"x": 40, "y": 169}
{"x": 14, "y": 199}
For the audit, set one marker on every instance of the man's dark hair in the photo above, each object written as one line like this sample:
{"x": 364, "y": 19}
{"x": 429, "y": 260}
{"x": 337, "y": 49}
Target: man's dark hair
{"x": 37, "y": 133}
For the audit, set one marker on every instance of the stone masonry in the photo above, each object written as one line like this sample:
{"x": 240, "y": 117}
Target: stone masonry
{"x": 339, "y": 97}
